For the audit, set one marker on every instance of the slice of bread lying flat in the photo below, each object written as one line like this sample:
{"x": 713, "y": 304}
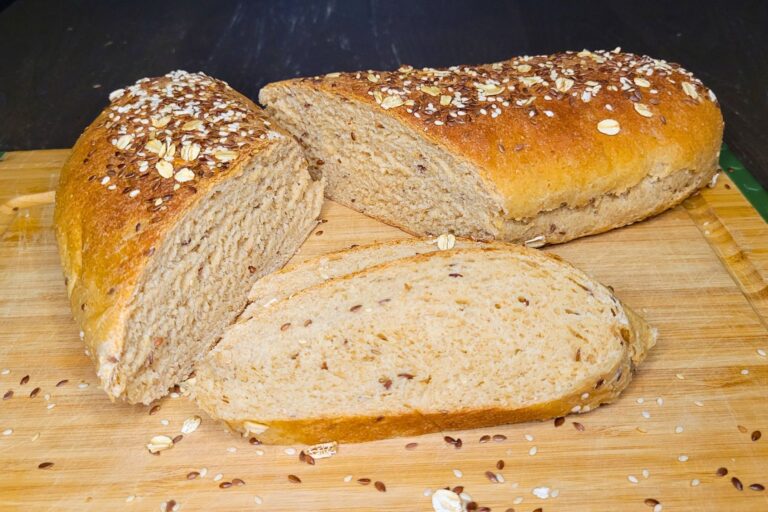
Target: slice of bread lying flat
{"x": 550, "y": 147}
{"x": 293, "y": 278}
{"x": 444, "y": 340}
{"x": 174, "y": 201}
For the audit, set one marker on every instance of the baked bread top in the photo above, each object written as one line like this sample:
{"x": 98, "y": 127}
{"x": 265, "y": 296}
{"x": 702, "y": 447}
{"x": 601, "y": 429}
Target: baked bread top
{"x": 135, "y": 171}
{"x": 553, "y": 129}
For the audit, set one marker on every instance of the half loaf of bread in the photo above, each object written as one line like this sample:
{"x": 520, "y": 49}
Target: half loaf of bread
{"x": 444, "y": 340}
{"x": 541, "y": 149}
{"x": 174, "y": 201}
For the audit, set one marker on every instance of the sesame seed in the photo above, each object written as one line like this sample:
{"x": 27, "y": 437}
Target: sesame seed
{"x": 678, "y": 429}
{"x": 683, "y": 458}
{"x": 633, "y": 479}
{"x": 533, "y": 451}
{"x": 457, "y": 473}
{"x": 695, "y": 482}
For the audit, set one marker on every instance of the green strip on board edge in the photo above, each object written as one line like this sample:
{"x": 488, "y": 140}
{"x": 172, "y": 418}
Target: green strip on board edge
{"x": 748, "y": 185}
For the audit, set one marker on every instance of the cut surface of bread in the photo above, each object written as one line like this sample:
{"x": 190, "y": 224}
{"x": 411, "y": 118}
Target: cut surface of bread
{"x": 291, "y": 279}
{"x": 174, "y": 201}
{"x": 551, "y": 147}
{"x": 444, "y": 340}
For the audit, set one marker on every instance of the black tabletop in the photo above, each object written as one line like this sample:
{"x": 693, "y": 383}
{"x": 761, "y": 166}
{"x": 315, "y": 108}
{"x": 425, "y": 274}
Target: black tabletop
{"x": 60, "y": 59}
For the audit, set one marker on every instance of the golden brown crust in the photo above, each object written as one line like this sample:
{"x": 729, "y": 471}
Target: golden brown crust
{"x": 538, "y": 127}
{"x": 115, "y": 205}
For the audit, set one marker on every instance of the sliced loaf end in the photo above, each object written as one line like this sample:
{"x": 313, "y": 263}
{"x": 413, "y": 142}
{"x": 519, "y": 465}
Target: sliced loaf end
{"x": 198, "y": 280}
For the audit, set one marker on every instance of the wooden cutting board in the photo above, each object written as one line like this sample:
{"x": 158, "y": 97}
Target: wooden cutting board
{"x": 697, "y": 272}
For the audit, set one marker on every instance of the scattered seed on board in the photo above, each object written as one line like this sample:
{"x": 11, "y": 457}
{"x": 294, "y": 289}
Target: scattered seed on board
{"x": 633, "y": 479}
{"x": 348, "y": 478}
{"x": 683, "y": 458}
{"x": 651, "y": 502}
{"x": 756, "y": 435}
{"x": 411, "y": 446}
{"x": 45, "y": 465}
{"x": 192, "y": 475}
{"x": 380, "y": 486}
{"x": 225, "y": 485}
{"x": 533, "y": 451}
{"x": 737, "y": 484}
{"x": 678, "y": 429}
{"x": 742, "y": 429}
{"x": 578, "y": 426}
{"x": 757, "y": 487}
{"x": 170, "y": 506}
{"x": 34, "y": 392}
{"x": 294, "y": 479}
{"x": 457, "y": 473}
{"x": 559, "y": 421}
{"x": 499, "y": 438}
{"x": 721, "y": 471}
{"x": 695, "y": 482}
{"x": 154, "y": 409}
{"x": 364, "y": 481}
{"x": 499, "y": 464}
{"x": 24, "y": 380}
{"x": 62, "y": 383}
{"x": 8, "y": 395}
{"x": 485, "y": 438}
{"x": 191, "y": 424}
{"x": 7, "y": 431}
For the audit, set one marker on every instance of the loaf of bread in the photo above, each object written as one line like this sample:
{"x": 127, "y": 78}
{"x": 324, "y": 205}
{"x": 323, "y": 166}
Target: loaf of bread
{"x": 541, "y": 149}
{"x": 174, "y": 201}
{"x": 443, "y": 340}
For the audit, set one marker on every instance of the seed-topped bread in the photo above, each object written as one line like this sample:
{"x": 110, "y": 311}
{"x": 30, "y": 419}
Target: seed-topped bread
{"x": 444, "y": 340}
{"x": 174, "y": 201}
{"x": 545, "y": 148}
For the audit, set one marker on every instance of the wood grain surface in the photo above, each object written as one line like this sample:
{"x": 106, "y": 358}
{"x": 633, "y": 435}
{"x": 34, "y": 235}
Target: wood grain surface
{"x": 698, "y": 273}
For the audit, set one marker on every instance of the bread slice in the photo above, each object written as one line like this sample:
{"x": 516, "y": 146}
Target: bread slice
{"x": 551, "y": 147}
{"x": 177, "y": 198}
{"x": 294, "y": 278}
{"x": 438, "y": 341}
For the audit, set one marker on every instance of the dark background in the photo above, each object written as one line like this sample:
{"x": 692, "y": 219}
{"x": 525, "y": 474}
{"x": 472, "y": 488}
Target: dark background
{"x": 60, "y": 59}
